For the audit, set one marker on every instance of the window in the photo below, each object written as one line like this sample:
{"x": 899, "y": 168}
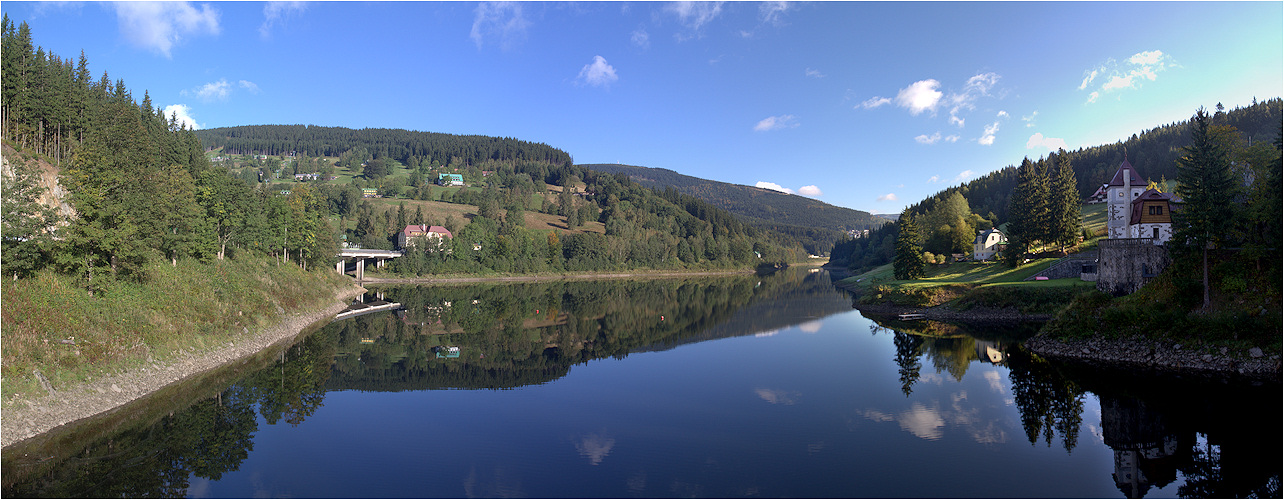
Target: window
{"x": 1156, "y": 210}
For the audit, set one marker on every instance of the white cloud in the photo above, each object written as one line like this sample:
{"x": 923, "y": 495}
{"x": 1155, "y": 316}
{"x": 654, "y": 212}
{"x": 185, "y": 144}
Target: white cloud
{"x": 211, "y": 91}
{"x": 987, "y": 138}
{"x": 250, "y": 86}
{"x": 964, "y": 175}
{"x": 694, "y": 15}
{"x": 976, "y": 87}
{"x": 1129, "y": 75}
{"x": 1029, "y": 120}
{"x": 640, "y": 38}
{"x": 1088, "y": 77}
{"x": 1003, "y": 114}
{"x": 954, "y": 120}
{"x": 275, "y": 12}
{"x": 776, "y": 123}
{"x": 771, "y": 12}
{"x": 773, "y": 186}
{"x": 952, "y": 138}
{"x": 502, "y": 19}
{"x": 934, "y": 179}
{"x": 887, "y": 197}
{"x": 160, "y": 26}
{"x": 811, "y": 190}
{"x": 922, "y": 422}
{"x": 920, "y": 96}
{"x": 1039, "y": 141}
{"x": 875, "y": 102}
{"x": 183, "y": 114}
{"x": 926, "y": 139}
{"x": 598, "y": 73}
{"x": 814, "y": 73}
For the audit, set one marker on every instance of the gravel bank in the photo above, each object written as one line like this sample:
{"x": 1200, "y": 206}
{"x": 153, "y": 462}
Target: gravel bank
{"x": 32, "y": 416}
{"x": 1162, "y": 356}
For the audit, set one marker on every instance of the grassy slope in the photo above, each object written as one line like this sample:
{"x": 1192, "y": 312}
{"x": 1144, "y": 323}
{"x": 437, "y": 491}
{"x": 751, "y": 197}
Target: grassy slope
{"x": 190, "y": 307}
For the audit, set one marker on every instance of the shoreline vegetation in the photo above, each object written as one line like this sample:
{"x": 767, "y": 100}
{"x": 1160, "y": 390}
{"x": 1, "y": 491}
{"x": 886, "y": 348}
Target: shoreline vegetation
{"x": 56, "y": 391}
{"x": 1082, "y": 326}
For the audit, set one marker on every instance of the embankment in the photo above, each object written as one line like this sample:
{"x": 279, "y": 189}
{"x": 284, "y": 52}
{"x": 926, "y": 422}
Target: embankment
{"x": 33, "y": 415}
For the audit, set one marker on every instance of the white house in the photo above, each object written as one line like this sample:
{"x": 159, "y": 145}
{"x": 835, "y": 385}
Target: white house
{"x": 988, "y": 243}
{"x": 414, "y": 233}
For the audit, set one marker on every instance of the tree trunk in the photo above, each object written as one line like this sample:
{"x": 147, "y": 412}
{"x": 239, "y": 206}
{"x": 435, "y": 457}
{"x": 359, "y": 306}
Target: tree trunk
{"x": 1206, "y": 278}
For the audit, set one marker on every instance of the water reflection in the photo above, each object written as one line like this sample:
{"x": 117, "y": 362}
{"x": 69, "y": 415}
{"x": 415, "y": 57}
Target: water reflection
{"x": 1213, "y": 439}
{"x": 932, "y": 388}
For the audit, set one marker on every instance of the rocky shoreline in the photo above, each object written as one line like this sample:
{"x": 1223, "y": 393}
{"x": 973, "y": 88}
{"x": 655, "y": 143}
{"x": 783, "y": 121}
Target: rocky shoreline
{"x": 31, "y": 417}
{"x": 1130, "y": 353}
{"x": 1162, "y": 356}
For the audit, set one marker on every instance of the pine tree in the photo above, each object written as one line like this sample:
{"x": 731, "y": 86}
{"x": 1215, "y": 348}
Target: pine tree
{"x": 1064, "y": 203}
{"x": 1206, "y": 188}
{"x": 908, "y": 263}
{"x": 1027, "y": 209}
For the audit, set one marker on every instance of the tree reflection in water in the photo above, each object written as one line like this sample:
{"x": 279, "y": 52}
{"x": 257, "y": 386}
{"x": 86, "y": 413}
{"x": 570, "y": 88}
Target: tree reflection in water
{"x": 1213, "y": 439}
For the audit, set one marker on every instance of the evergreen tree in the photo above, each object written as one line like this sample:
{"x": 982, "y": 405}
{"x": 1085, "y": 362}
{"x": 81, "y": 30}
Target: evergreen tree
{"x": 1064, "y": 203}
{"x": 1028, "y": 211}
{"x": 1206, "y": 189}
{"x": 908, "y": 263}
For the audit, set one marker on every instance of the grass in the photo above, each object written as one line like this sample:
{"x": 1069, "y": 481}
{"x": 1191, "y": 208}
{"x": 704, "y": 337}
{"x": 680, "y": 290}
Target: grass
{"x": 191, "y": 307}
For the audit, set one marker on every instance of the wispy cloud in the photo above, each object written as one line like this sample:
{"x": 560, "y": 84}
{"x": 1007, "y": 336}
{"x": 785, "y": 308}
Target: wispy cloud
{"x": 928, "y": 139}
{"x": 987, "y": 138}
{"x": 220, "y": 90}
{"x": 183, "y": 115}
{"x": 772, "y": 12}
{"x": 814, "y": 73}
{"x": 934, "y": 179}
{"x": 694, "y": 15}
{"x": 975, "y": 88}
{"x": 159, "y": 26}
{"x": 777, "y": 396}
{"x": 1130, "y": 74}
{"x": 598, "y": 73}
{"x": 773, "y": 186}
{"x": 1039, "y": 141}
{"x": 278, "y": 12}
{"x": 776, "y": 123}
{"x": 875, "y": 102}
{"x": 501, "y": 19}
{"x": 1029, "y": 120}
{"x": 964, "y": 175}
{"x": 640, "y": 38}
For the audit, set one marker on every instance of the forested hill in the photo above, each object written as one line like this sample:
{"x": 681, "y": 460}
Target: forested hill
{"x": 406, "y": 146}
{"x": 755, "y": 205}
{"x": 1153, "y": 153}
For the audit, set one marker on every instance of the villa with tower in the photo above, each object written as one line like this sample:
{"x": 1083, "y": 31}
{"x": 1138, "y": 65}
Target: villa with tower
{"x": 1138, "y": 224}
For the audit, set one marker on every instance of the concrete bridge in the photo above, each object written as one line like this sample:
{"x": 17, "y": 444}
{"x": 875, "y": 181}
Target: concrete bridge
{"x": 358, "y": 257}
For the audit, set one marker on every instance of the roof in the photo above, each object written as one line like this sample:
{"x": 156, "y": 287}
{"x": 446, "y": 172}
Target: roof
{"x": 423, "y": 229}
{"x": 1118, "y": 179}
{"x": 980, "y": 238}
{"x": 1150, "y": 195}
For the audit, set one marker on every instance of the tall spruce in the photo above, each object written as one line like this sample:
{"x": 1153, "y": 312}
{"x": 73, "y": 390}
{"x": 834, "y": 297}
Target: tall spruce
{"x": 1027, "y": 209}
{"x": 1063, "y": 203}
{"x": 908, "y": 263}
{"x": 1206, "y": 188}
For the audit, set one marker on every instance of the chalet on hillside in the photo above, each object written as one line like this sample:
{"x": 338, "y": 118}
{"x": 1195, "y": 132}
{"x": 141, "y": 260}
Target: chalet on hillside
{"x": 988, "y": 243}
{"x": 416, "y": 235}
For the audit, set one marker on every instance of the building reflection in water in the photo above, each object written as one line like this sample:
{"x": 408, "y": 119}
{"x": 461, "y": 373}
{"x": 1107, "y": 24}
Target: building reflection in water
{"x": 1147, "y": 449}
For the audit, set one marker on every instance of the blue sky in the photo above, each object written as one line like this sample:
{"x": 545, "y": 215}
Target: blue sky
{"x": 871, "y": 106}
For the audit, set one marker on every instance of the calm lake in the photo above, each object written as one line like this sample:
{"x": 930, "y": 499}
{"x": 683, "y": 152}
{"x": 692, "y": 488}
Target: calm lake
{"x": 741, "y": 386}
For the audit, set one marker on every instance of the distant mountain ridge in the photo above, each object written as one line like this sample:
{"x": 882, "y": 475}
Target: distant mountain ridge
{"x": 758, "y": 206}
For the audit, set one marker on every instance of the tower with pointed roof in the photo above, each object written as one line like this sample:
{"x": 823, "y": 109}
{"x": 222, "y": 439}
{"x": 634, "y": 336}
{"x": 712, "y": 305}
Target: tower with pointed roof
{"x": 1122, "y": 189}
